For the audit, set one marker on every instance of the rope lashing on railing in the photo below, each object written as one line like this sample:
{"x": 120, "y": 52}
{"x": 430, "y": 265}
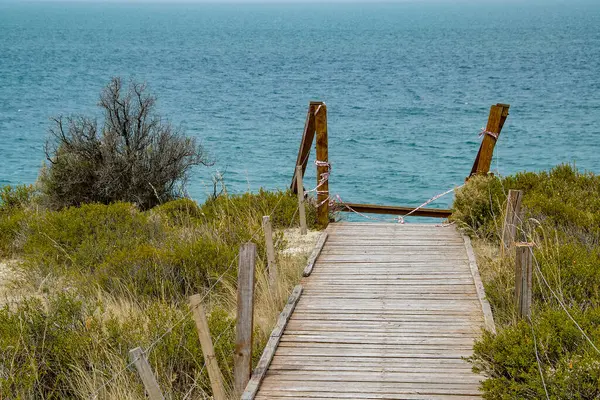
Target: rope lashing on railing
{"x": 486, "y": 132}
{"x": 324, "y": 177}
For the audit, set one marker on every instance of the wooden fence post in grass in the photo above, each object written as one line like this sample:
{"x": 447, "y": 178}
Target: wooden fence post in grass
{"x": 301, "y": 210}
{"x": 271, "y": 265}
{"x": 523, "y": 282}
{"x": 245, "y": 314}
{"x": 511, "y": 219}
{"x": 483, "y": 161}
{"x": 322, "y": 165}
{"x": 138, "y": 358}
{"x": 208, "y": 351}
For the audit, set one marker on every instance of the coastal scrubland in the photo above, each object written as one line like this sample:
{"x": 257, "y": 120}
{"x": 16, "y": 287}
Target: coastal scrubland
{"x": 81, "y": 286}
{"x": 554, "y": 354}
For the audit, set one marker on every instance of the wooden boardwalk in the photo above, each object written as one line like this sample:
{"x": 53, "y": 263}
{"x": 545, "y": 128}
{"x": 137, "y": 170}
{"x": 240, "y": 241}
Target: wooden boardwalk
{"x": 387, "y": 313}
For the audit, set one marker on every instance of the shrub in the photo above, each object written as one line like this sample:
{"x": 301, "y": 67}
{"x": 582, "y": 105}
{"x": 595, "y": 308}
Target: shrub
{"x": 562, "y": 216}
{"x": 478, "y": 203}
{"x": 45, "y": 348}
{"x": 14, "y": 202}
{"x": 134, "y": 156}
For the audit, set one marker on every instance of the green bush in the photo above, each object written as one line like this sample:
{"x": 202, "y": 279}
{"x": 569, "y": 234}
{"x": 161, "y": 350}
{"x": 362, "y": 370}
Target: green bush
{"x": 478, "y": 204}
{"x": 43, "y": 346}
{"x": 570, "y": 367}
{"x": 14, "y": 204}
{"x": 562, "y": 216}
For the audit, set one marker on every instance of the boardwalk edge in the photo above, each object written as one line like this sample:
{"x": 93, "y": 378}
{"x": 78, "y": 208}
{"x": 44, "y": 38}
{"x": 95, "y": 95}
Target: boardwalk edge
{"x": 485, "y": 305}
{"x": 265, "y": 360}
{"x": 315, "y": 254}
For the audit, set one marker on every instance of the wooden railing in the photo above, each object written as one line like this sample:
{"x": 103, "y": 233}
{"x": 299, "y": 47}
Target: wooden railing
{"x": 316, "y": 125}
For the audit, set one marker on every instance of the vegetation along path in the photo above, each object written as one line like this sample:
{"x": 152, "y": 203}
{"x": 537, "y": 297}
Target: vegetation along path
{"x": 388, "y": 311}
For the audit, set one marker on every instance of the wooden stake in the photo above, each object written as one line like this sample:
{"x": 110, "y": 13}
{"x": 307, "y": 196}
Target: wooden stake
{"x": 271, "y": 266}
{"x": 245, "y": 314}
{"x": 208, "y": 351}
{"x": 511, "y": 219}
{"x": 523, "y": 282}
{"x": 496, "y": 119}
{"x": 300, "y": 192}
{"x": 308, "y": 136}
{"x": 138, "y": 357}
{"x": 322, "y": 157}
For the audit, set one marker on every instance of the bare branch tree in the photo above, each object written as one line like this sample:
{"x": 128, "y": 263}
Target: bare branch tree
{"x": 136, "y": 157}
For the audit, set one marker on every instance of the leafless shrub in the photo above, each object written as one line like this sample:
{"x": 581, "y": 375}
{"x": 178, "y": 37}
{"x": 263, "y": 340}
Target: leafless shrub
{"x": 135, "y": 156}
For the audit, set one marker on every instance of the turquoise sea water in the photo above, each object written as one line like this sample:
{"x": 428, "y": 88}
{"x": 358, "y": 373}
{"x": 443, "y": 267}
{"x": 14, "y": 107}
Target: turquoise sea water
{"x": 408, "y": 86}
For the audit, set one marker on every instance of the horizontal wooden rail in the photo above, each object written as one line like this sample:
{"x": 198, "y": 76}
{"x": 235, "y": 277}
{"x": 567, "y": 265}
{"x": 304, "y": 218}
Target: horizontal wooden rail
{"x": 396, "y": 210}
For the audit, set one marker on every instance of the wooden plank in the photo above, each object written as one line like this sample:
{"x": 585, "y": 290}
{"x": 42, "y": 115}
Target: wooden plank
{"x": 208, "y": 351}
{"x": 245, "y": 317}
{"x": 369, "y": 258}
{"x": 396, "y": 210}
{"x": 271, "y": 347}
{"x": 379, "y": 387}
{"x": 308, "y": 136}
{"x": 322, "y": 165}
{"x": 485, "y": 305}
{"x": 344, "y": 395}
{"x": 315, "y": 254}
{"x": 138, "y": 358}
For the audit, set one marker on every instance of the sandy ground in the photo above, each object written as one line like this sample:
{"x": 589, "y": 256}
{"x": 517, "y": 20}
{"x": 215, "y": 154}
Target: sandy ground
{"x": 300, "y": 243}
{"x": 7, "y": 276}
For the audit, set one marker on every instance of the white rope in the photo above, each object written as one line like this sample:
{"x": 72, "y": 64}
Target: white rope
{"x": 434, "y": 198}
{"x": 561, "y": 303}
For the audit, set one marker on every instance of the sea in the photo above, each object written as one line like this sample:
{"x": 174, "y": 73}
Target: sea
{"x": 408, "y": 86}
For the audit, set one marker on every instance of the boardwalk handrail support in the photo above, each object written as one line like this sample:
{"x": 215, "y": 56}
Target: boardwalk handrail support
{"x": 491, "y": 133}
{"x": 316, "y": 125}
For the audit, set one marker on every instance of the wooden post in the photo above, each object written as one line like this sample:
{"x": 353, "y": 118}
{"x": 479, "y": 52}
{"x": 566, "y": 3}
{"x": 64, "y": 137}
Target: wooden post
{"x": 208, "y": 351}
{"x": 245, "y": 314}
{"x": 271, "y": 265}
{"x": 496, "y": 119}
{"x": 322, "y": 167}
{"x": 308, "y": 137}
{"x": 511, "y": 218}
{"x": 300, "y": 192}
{"x": 138, "y": 357}
{"x": 523, "y": 282}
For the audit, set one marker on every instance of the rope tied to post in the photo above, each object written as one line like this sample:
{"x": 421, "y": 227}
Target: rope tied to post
{"x": 323, "y": 178}
{"x": 486, "y": 132}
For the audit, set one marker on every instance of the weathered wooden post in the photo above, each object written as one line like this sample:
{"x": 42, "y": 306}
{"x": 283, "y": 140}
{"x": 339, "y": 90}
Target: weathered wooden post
{"x": 322, "y": 165}
{"x": 271, "y": 265}
{"x": 511, "y": 219}
{"x": 245, "y": 315}
{"x": 300, "y": 192}
{"x": 496, "y": 119}
{"x": 523, "y": 279}
{"x": 208, "y": 351}
{"x": 138, "y": 358}
{"x": 308, "y": 137}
